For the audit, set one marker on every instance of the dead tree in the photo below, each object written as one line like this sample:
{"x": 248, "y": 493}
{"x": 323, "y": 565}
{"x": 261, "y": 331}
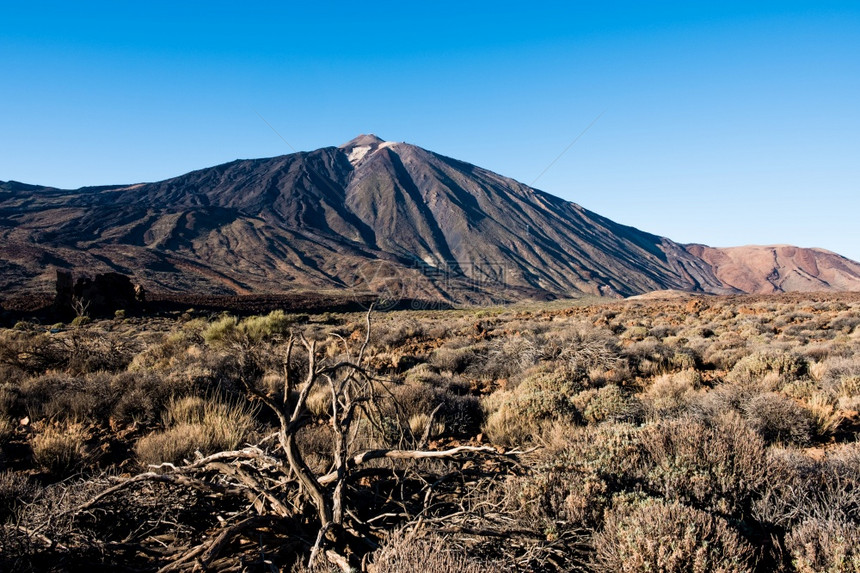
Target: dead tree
{"x": 280, "y": 488}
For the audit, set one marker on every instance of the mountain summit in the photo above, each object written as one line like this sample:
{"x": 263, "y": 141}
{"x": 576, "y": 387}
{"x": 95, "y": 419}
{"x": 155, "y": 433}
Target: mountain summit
{"x": 370, "y": 215}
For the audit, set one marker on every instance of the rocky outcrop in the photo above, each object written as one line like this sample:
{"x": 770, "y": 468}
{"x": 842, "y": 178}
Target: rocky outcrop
{"x": 101, "y": 295}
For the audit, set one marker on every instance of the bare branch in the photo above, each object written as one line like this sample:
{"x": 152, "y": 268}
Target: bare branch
{"x": 425, "y": 437}
{"x": 368, "y": 455}
{"x": 288, "y": 385}
{"x": 156, "y": 477}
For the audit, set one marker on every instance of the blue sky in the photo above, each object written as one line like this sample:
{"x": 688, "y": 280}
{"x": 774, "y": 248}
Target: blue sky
{"x": 725, "y": 123}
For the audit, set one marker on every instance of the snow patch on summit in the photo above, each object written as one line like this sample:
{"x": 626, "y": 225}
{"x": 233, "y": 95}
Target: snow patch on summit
{"x": 358, "y": 153}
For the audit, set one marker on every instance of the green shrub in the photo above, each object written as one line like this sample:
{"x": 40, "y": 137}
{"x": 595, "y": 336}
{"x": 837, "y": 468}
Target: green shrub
{"x": 254, "y": 329}
{"x": 81, "y": 321}
{"x": 670, "y": 538}
{"x": 276, "y": 323}
{"x": 221, "y": 331}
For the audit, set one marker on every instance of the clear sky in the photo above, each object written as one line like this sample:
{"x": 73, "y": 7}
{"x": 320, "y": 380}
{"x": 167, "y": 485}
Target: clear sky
{"x": 726, "y": 123}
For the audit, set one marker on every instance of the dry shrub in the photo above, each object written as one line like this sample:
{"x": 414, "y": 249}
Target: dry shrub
{"x": 15, "y": 489}
{"x": 508, "y": 356}
{"x": 718, "y": 466}
{"x": 319, "y": 402}
{"x": 424, "y": 374}
{"x": 519, "y": 415}
{"x": 819, "y": 546}
{"x": 10, "y": 397}
{"x": 143, "y": 396}
{"x": 778, "y": 418}
{"x": 60, "y": 448}
{"x": 316, "y": 443}
{"x": 723, "y": 357}
{"x": 579, "y": 475}
{"x": 785, "y": 365}
{"x": 6, "y": 429}
{"x": 90, "y": 352}
{"x": 123, "y": 397}
{"x": 197, "y": 424}
{"x": 454, "y": 360}
{"x": 90, "y": 397}
{"x": 652, "y": 358}
{"x": 607, "y": 403}
{"x": 845, "y": 322}
{"x": 587, "y": 350}
{"x": 459, "y": 414}
{"x": 849, "y": 386}
{"x": 429, "y": 554}
{"x": 670, "y": 538}
{"x": 800, "y": 488}
{"x": 670, "y": 394}
{"x": 396, "y": 332}
{"x": 418, "y": 425}
{"x": 802, "y": 389}
{"x": 635, "y": 332}
{"x": 35, "y": 393}
{"x": 826, "y": 418}
{"x": 836, "y": 367}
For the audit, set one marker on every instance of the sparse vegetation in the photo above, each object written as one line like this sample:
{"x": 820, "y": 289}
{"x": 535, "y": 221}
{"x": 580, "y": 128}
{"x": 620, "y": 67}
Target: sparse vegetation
{"x": 689, "y": 434}
{"x": 669, "y": 537}
{"x": 60, "y": 448}
{"x": 193, "y": 424}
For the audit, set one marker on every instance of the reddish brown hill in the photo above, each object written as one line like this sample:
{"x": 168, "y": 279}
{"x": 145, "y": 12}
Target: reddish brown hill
{"x": 780, "y": 268}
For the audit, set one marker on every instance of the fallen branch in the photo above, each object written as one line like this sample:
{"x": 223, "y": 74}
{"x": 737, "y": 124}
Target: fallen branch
{"x": 156, "y": 477}
{"x": 369, "y": 455}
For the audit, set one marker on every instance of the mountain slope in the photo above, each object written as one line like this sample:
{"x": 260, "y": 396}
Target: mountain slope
{"x": 368, "y": 215}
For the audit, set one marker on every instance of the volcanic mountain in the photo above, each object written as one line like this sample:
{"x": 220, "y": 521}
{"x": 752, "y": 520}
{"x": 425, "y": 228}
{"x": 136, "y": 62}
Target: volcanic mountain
{"x": 374, "y": 216}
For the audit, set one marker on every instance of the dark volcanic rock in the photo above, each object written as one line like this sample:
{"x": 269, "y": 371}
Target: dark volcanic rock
{"x": 102, "y": 295}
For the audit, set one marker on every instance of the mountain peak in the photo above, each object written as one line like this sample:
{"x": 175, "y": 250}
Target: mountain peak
{"x": 363, "y": 140}
{"x": 363, "y": 146}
